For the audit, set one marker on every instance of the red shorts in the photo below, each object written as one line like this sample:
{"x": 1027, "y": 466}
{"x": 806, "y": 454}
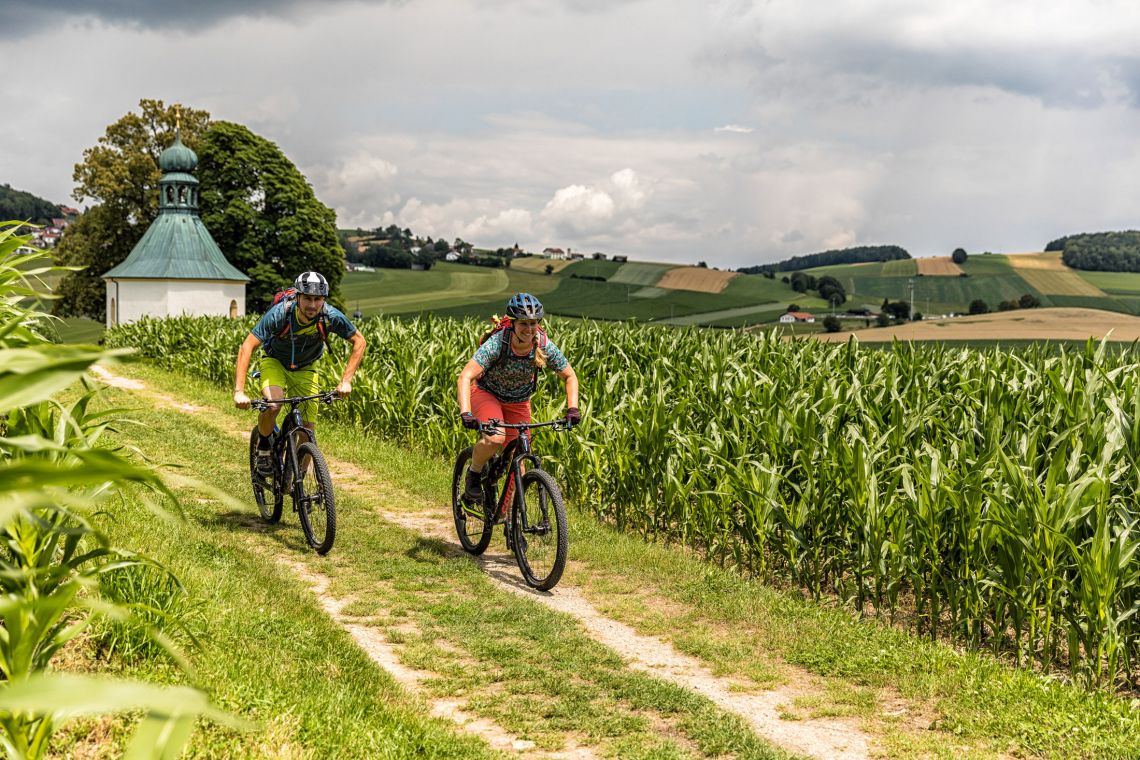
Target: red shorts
{"x": 485, "y": 406}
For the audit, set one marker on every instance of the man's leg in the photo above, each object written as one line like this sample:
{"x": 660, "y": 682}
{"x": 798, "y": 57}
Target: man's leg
{"x": 273, "y": 383}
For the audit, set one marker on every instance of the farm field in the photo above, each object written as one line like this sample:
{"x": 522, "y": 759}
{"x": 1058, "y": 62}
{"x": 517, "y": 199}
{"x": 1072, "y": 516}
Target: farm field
{"x": 937, "y": 266}
{"x": 538, "y": 264}
{"x": 633, "y": 273}
{"x": 696, "y": 278}
{"x": 642, "y": 291}
{"x": 1049, "y": 275}
{"x": 1022, "y": 324}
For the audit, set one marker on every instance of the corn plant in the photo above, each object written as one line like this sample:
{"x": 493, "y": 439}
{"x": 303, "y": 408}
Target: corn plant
{"x": 52, "y": 473}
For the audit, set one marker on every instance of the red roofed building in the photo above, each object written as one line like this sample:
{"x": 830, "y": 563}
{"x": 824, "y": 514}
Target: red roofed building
{"x": 796, "y": 316}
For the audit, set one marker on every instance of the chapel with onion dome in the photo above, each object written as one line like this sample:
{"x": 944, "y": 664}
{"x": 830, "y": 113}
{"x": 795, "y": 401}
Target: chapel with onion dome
{"x": 176, "y": 268}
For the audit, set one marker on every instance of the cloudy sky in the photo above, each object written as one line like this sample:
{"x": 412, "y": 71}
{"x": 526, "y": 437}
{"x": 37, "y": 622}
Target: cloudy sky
{"x": 734, "y": 132}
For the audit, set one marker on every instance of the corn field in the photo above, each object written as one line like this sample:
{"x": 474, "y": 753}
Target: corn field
{"x": 982, "y": 496}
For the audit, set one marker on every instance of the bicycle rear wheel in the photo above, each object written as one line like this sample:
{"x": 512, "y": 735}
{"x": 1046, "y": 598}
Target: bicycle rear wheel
{"x": 315, "y": 502}
{"x": 471, "y": 523}
{"x": 269, "y": 501}
{"x": 538, "y": 530}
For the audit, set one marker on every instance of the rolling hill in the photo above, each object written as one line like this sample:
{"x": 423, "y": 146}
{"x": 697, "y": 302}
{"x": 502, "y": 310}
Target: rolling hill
{"x": 677, "y": 295}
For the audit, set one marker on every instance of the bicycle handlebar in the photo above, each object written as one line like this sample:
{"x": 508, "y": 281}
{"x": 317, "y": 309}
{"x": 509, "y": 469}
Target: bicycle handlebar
{"x": 493, "y": 426}
{"x": 326, "y": 397}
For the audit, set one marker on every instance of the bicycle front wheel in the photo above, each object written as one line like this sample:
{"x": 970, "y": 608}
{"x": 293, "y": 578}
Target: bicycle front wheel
{"x": 538, "y": 529}
{"x": 269, "y": 500}
{"x": 314, "y": 499}
{"x": 471, "y": 523}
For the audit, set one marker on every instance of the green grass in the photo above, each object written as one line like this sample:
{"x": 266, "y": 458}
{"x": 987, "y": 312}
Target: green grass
{"x": 1113, "y": 282}
{"x": 270, "y": 655}
{"x": 978, "y": 706}
{"x": 78, "y": 330}
{"x": 900, "y": 268}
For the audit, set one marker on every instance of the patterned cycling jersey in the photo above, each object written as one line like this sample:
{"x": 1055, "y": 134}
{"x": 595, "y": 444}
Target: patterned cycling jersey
{"x": 512, "y": 379}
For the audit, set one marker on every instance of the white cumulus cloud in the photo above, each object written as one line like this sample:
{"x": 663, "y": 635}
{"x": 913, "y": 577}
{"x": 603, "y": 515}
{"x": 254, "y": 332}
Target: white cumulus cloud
{"x": 579, "y": 209}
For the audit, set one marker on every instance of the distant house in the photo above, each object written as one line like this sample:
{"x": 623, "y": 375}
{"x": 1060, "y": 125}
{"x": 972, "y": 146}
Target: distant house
{"x": 554, "y": 253}
{"x": 575, "y": 256}
{"x": 620, "y": 259}
{"x": 451, "y": 256}
{"x": 598, "y": 256}
{"x": 796, "y": 316}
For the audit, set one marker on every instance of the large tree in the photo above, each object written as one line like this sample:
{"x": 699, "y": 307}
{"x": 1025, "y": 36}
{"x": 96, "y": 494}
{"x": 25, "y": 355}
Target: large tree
{"x": 118, "y": 177}
{"x": 263, "y": 213}
{"x": 256, "y": 204}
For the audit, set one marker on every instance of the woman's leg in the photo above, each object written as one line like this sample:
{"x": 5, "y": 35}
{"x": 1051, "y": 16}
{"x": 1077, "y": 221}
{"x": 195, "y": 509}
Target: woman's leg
{"x": 486, "y": 407}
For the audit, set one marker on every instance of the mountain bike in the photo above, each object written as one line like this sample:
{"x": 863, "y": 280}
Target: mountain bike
{"x": 300, "y": 470}
{"x": 535, "y": 514}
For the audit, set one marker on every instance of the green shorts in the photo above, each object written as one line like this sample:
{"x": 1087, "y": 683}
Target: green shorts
{"x": 298, "y": 382}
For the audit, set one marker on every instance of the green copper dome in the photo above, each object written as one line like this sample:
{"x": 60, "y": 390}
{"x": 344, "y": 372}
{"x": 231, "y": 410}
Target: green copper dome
{"x": 178, "y": 158}
{"x": 177, "y": 246}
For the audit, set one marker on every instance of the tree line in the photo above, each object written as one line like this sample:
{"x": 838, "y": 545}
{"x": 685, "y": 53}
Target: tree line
{"x": 22, "y": 206}
{"x": 857, "y": 255}
{"x": 1100, "y": 251}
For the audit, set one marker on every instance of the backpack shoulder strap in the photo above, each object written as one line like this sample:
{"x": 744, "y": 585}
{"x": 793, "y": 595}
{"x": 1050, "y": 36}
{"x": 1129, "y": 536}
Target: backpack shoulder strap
{"x": 323, "y": 325}
{"x": 288, "y": 319}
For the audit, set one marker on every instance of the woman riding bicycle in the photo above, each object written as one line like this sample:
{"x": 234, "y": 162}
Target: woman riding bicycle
{"x": 505, "y": 372}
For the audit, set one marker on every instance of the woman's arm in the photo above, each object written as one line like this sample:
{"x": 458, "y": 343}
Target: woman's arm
{"x": 470, "y": 373}
{"x": 571, "y": 381}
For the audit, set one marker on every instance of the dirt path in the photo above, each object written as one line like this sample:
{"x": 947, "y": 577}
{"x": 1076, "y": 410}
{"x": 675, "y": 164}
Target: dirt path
{"x": 821, "y": 738}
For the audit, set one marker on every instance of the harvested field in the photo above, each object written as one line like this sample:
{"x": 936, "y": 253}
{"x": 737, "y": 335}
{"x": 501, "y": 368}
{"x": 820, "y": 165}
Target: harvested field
{"x": 1049, "y": 275}
{"x": 1038, "y": 260}
{"x": 938, "y": 266}
{"x": 696, "y": 278}
{"x": 539, "y": 264}
{"x": 1021, "y": 324}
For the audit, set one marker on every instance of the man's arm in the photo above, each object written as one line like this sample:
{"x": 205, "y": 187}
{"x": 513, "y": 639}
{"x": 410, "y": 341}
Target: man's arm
{"x": 358, "y": 346}
{"x": 245, "y": 353}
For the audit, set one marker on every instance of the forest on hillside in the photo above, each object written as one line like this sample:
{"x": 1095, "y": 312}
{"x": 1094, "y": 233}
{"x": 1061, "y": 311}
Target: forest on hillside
{"x": 857, "y": 255}
{"x": 1100, "y": 251}
{"x": 21, "y": 206}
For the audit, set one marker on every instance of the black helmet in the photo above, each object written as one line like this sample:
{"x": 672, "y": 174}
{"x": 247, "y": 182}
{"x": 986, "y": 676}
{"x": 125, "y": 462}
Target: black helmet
{"x": 311, "y": 284}
{"x": 524, "y": 306}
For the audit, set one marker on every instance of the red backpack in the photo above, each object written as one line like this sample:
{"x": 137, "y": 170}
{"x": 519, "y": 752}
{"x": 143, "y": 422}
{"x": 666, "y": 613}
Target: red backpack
{"x": 289, "y": 296}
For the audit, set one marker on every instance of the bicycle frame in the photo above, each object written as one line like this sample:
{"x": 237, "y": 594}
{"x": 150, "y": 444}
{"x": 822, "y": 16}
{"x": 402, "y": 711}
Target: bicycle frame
{"x": 511, "y": 461}
{"x": 292, "y": 431}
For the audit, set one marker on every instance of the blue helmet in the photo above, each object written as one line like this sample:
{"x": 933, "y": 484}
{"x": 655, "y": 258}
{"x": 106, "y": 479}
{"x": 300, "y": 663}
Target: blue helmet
{"x": 524, "y": 306}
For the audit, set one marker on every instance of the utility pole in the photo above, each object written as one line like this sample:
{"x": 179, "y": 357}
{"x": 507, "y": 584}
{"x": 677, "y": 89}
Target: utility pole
{"x": 911, "y": 283}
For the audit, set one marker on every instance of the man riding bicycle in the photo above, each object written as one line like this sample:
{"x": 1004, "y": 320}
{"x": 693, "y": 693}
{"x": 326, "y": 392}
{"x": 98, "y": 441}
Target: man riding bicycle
{"x": 505, "y": 372}
{"x": 293, "y": 332}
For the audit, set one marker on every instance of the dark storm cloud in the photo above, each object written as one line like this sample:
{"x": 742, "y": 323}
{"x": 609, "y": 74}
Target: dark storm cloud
{"x": 1067, "y": 80}
{"x": 20, "y": 18}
